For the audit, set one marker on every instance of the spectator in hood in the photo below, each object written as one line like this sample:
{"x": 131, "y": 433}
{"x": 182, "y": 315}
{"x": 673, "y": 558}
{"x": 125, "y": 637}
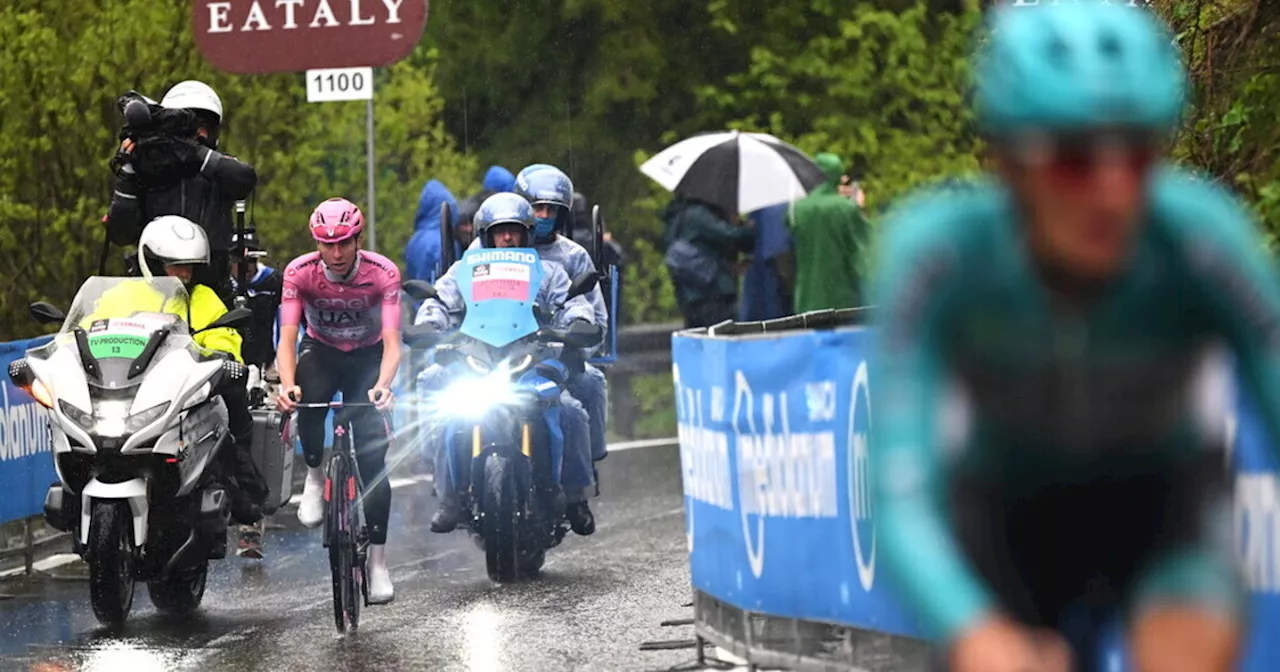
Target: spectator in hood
{"x": 766, "y": 286}
{"x": 700, "y": 243}
{"x": 422, "y": 254}
{"x": 830, "y": 234}
{"x": 499, "y": 179}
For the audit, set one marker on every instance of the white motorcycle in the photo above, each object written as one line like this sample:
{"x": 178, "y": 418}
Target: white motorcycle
{"x": 136, "y": 421}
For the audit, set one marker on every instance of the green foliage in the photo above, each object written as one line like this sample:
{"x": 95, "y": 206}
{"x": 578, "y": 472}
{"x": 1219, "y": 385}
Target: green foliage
{"x": 883, "y": 89}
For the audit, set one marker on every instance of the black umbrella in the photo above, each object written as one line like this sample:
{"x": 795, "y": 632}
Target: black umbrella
{"x": 740, "y": 172}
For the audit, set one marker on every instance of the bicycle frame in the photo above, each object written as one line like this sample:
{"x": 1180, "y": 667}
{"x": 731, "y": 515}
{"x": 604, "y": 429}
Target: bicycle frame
{"x": 344, "y": 520}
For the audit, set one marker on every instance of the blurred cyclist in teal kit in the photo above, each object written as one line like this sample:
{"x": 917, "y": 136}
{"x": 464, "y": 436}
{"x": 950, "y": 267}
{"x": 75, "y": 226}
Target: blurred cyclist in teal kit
{"x": 1049, "y": 434}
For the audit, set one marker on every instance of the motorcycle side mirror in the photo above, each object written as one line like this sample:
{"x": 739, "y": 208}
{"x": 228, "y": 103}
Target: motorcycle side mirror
{"x": 419, "y": 290}
{"x": 46, "y": 313}
{"x": 233, "y": 318}
{"x": 539, "y": 314}
{"x": 583, "y": 283}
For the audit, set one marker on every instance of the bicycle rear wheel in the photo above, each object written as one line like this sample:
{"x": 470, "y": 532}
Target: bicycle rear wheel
{"x": 341, "y": 531}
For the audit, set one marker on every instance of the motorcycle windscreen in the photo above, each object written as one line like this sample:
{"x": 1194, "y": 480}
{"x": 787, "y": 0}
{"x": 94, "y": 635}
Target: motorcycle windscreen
{"x": 500, "y": 287}
{"x": 108, "y": 298}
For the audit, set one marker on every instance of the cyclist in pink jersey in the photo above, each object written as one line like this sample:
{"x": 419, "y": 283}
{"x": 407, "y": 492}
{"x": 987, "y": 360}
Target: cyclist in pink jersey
{"x": 351, "y": 300}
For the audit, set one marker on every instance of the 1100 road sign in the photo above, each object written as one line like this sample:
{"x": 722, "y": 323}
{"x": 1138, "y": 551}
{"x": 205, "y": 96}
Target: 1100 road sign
{"x": 260, "y": 36}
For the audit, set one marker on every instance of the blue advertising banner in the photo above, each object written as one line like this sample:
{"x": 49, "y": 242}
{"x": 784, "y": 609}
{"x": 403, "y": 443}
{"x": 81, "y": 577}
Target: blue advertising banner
{"x": 26, "y": 458}
{"x": 773, "y": 444}
{"x": 1257, "y": 520}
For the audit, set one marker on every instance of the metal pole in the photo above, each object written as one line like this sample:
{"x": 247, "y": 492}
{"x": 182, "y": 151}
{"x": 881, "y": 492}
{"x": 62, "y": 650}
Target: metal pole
{"x": 373, "y": 218}
{"x": 28, "y": 540}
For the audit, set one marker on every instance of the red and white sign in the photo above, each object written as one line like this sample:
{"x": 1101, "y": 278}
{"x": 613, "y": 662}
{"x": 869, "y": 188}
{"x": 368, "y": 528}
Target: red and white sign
{"x": 260, "y": 36}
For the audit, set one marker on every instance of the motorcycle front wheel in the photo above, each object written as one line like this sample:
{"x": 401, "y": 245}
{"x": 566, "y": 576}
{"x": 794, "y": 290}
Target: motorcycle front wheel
{"x": 499, "y": 510}
{"x": 111, "y": 581}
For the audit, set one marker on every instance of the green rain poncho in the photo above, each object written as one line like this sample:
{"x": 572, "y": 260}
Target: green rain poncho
{"x": 829, "y": 232}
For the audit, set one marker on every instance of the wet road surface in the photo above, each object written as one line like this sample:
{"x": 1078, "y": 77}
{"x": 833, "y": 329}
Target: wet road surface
{"x": 599, "y": 598}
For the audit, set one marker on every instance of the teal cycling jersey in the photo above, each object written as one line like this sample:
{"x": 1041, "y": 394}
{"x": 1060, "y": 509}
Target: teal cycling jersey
{"x": 980, "y": 371}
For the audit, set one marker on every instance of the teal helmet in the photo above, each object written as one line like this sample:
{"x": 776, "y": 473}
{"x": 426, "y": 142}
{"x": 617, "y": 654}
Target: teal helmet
{"x": 1075, "y": 67}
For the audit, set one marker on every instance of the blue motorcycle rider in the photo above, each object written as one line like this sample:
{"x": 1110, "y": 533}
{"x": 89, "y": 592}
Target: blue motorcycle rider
{"x": 506, "y": 220}
{"x": 550, "y": 192}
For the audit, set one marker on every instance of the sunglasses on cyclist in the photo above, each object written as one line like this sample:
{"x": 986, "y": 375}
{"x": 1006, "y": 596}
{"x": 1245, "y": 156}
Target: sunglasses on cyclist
{"x": 1075, "y": 158}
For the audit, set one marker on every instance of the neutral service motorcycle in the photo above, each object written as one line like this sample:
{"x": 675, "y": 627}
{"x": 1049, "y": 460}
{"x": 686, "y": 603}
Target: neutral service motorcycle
{"x": 500, "y": 413}
{"x": 136, "y": 421}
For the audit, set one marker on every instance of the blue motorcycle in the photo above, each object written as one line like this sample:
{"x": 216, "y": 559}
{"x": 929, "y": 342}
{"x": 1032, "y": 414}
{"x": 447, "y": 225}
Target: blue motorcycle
{"x": 500, "y": 414}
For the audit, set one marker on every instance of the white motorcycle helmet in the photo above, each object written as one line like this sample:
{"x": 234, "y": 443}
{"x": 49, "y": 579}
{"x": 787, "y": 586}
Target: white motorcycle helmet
{"x": 172, "y": 239}
{"x": 193, "y": 95}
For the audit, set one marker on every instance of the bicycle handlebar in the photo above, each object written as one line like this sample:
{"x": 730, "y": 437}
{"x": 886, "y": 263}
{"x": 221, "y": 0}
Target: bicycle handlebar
{"x": 337, "y": 404}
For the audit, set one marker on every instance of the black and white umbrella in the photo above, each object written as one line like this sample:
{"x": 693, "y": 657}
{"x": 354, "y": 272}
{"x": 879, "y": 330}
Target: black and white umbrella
{"x": 740, "y": 172}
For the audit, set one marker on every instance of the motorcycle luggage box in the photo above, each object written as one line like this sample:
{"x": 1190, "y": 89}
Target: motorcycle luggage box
{"x": 273, "y": 459}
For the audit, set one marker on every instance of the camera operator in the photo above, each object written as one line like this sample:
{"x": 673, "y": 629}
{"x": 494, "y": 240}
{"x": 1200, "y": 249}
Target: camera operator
{"x": 169, "y": 165}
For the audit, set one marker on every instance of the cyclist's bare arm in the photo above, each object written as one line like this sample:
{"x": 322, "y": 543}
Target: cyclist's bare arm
{"x": 390, "y": 357}
{"x": 287, "y": 355}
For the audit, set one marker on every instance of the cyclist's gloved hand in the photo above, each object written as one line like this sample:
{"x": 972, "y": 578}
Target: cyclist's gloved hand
{"x": 381, "y": 397}
{"x": 287, "y": 402}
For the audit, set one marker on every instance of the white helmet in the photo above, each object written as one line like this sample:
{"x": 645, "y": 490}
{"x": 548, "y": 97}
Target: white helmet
{"x": 172, "y": 239}
{"x": 193, "y": 95}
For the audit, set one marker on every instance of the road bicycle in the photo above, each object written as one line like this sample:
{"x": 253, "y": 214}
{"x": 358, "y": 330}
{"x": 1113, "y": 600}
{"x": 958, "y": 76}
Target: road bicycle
{"x": 345, "y": 533}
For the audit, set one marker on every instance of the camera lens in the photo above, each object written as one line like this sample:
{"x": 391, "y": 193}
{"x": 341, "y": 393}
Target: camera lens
{"x": 136, "y": 114}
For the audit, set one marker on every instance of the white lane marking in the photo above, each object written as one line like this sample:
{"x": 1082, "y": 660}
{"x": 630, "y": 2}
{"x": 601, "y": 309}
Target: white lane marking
{"x": 644, "y": 443}
{"x": 43, "y": 565}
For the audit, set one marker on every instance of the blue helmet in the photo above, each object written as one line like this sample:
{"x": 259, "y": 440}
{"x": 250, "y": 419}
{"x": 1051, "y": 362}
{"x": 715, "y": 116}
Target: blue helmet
{"x": 1076, "y": 67}
{"x": 502, "y": 208}
{"x": 541, "y": 183}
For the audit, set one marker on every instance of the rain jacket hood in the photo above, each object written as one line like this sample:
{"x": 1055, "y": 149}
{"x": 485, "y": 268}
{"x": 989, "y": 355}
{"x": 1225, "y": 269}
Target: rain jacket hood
{"x": 499, "y": 179}
{"x": 422, "y": 254}
{"x": 831, "y": 166}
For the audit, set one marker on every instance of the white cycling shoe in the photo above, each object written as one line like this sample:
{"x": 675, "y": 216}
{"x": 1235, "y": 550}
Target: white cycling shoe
{"x": 311, "y": 510}
{"x": 380, "y": 589}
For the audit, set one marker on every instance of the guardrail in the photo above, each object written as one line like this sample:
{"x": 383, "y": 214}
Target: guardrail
{"x": 773, "y": 426}
{"x": 26, "y": 461}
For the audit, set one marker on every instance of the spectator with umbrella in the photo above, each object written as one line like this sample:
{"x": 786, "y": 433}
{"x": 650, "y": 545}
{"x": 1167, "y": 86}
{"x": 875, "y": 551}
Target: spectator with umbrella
{"x": 716, "y": 176}
{"x": 766, "y": 285}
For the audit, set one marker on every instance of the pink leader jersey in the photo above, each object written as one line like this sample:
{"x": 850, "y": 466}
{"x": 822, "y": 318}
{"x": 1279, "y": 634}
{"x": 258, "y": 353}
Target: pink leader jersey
{"x": 345, "y": 313}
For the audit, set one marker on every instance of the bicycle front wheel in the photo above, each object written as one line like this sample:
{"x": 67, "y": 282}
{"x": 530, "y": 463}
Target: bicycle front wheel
{"x": 340, "y": 527}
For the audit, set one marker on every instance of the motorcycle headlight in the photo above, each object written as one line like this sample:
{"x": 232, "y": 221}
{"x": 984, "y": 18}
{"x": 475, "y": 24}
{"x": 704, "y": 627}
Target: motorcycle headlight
{"x": 82, "y": 418}
{"x": 472, "y": 397}
{"x": 141, "y": 419}
{"x": 110, "y": 418}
